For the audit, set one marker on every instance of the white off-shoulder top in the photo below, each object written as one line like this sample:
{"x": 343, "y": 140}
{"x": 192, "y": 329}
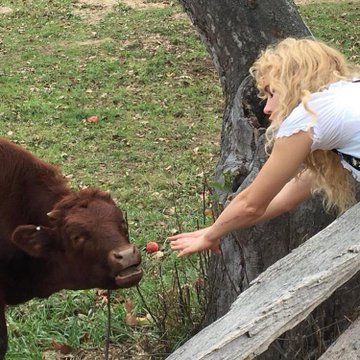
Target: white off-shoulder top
{"x": 337, "y": 123}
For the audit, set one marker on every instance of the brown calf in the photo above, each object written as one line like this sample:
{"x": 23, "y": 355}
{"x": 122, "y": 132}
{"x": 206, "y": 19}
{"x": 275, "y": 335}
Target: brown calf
{"x": 53, "y": 238}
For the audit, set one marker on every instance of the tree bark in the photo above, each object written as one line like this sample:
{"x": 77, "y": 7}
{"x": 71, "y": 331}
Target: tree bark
{"x": 234, "y": 32}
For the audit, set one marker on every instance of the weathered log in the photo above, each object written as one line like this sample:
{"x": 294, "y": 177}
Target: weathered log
{"x": 282, "y": 296}
{"x": 347, "y": 346}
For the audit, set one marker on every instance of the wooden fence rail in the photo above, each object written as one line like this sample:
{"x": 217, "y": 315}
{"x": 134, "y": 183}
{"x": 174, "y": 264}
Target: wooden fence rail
{"x": 282, "y": 296}
{"x": 347, "y": 346}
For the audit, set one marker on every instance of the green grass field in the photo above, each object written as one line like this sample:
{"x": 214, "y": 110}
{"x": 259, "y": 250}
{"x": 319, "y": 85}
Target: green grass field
{"x": 149, "y": 80}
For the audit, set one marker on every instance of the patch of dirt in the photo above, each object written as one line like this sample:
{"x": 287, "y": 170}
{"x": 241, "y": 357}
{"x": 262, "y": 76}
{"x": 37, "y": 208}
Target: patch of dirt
{"x": 143, "y": 4}
{"x": 5, "y": 10}
{"x": 149, "y": 43}
{"x": 92, "y": 11}
{"x": 180, "y": 16}
{"x": 93, "y": 42}
{"x": 152, "y": 43}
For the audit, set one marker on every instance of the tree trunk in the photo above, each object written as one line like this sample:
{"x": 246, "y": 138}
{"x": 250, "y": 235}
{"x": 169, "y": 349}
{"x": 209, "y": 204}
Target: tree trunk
{"x": 234, "y": 32}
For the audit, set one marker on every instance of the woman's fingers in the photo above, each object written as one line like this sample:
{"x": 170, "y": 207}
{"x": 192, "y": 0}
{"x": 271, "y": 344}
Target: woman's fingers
{"x": 178, "y": 236}
{"x": 183, "y": 246}
{"x": 188, "y": 249}
{"x": 182, "y": 243}
{"x": 177, "y": 246}
{"x": 187, "y": 245}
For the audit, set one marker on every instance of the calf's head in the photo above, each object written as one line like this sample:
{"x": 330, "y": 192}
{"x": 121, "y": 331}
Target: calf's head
{"x": 85, "y": 243}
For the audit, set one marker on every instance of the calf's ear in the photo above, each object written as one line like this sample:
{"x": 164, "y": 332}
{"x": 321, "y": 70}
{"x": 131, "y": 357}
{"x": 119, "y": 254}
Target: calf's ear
{"x": 37, "y": 241}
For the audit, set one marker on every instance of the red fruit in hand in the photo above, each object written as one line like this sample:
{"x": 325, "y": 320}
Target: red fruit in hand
{"x": 152, "y": 247}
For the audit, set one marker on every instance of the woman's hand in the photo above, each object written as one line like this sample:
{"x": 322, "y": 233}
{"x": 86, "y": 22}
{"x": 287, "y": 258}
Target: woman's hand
{"x": 189, "y": 243}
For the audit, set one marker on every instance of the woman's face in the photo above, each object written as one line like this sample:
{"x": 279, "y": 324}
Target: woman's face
{"x": 272, "y": 102}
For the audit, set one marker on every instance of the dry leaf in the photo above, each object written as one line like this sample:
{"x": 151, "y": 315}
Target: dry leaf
{"x": 130, "y": 318}
{"x": 84, "y": 338}
{"x": 101, "y": 296}
{"x": 158, "y": 255}
{"x": 93, "y": 119}
{"x": 128, "y": 305}
{"x": 145, "y": 320}
{"x": 62, "y": 348}
{"x": 208, "y": 212}
{"x": 174, "y": 231}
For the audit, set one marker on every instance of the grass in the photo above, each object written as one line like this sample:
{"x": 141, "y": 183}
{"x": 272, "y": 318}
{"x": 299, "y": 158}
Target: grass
{"x": 149, "y": 80}
{"x": 337, "y": 24}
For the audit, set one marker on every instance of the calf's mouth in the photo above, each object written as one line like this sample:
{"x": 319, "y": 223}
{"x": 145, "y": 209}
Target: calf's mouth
{"x": 129, "y": 276}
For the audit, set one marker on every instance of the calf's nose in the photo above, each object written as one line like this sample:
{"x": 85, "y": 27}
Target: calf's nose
{"x": 125, "y": 257}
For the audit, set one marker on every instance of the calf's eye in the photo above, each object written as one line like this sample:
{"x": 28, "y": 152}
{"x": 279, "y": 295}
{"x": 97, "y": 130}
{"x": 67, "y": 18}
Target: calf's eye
{"x": 77, "y": 240}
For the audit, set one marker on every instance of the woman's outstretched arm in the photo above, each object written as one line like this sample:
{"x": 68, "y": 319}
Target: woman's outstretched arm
{"x": 291, "y": 195}
{"x": 262, "y": 200}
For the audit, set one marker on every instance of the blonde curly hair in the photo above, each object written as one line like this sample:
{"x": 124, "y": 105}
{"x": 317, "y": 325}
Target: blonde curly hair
{"x": 295, "y": 68}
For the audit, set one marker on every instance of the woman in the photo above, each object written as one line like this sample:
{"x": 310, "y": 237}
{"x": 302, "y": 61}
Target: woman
{"x": 313, "y": 105}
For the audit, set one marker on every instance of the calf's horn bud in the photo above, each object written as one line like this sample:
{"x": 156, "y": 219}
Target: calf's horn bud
{"x": 53, "y": 214}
